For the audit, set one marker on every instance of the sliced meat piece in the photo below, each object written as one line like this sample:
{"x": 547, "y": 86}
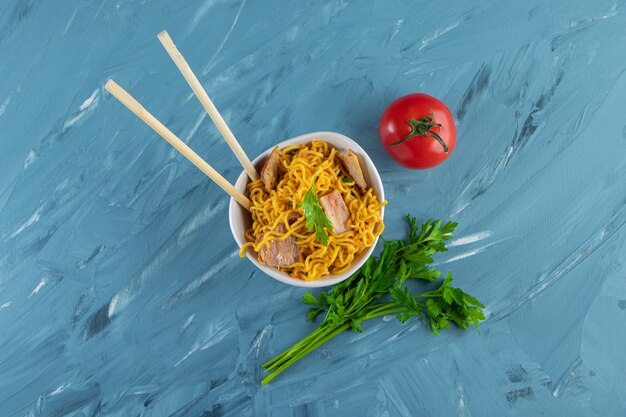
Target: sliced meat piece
{"x": 351, "y": 163}
{"x": 280, "y": 253}
{"x": 269, "y": 173}
{"x": 336, "y": 211}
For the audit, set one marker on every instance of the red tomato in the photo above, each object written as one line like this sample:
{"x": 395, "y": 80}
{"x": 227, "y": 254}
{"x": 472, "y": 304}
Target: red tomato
{"x": 418, "y": 131}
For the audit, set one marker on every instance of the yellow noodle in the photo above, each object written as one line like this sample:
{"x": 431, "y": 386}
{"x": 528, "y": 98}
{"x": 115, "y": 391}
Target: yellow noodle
{"x": 280, "y": 206}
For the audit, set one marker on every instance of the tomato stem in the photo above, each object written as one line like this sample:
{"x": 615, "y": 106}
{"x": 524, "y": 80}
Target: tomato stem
{"x": 423, "y": 127}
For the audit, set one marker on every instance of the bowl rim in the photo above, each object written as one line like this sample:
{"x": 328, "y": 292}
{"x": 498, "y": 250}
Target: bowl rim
{"x": 374, "y": 177}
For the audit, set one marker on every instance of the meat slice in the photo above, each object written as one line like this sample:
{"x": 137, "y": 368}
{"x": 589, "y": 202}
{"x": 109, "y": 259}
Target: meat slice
{"x": 280, "y": 253}
{"x": 351, "y": 163}
{"x": 269, "y": 173}
{"x": 336, "y": 210}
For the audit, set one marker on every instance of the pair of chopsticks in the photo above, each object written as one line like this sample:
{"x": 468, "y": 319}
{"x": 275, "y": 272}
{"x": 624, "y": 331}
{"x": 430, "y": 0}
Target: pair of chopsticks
{"x": 133, "y": 105}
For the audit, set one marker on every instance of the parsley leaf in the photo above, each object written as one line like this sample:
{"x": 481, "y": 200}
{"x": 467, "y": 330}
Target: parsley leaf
{"x": 314, "y": 214}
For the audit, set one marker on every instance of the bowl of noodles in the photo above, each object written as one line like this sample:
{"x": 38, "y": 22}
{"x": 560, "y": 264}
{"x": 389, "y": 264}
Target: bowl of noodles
{"x": 275, "y": 235}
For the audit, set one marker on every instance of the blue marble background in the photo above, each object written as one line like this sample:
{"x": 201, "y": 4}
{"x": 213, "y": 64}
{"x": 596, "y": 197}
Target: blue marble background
{"x": 121, "y": 292}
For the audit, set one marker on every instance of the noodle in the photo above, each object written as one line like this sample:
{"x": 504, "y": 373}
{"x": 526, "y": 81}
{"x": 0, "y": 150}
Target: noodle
{"x": 298, "y": 163}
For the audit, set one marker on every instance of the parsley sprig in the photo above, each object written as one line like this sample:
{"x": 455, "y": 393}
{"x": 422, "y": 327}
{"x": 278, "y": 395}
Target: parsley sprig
{"x": 314, "y": 214}
{"x": 348, "y": 304}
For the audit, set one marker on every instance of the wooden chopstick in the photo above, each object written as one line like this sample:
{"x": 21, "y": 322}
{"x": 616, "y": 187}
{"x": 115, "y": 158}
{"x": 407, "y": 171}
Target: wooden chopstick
{"x": 133, "y": 105}
{"x": 207, "y": 103}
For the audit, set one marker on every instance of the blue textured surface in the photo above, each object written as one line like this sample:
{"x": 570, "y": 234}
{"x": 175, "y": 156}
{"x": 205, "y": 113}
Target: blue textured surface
{"x": 121, "y": 292}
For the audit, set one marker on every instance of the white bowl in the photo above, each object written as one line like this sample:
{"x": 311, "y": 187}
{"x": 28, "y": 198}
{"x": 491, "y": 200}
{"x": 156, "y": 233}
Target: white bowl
{"x": 240, "y": 219}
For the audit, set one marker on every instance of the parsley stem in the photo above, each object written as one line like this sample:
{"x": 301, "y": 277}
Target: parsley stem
{"x": 318, "y": 338}
{"x": 305, "y": 346}
{"x": 303, "y": 352}
{"x": 293, "y": 350}
{"x": 383, "y": 310}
